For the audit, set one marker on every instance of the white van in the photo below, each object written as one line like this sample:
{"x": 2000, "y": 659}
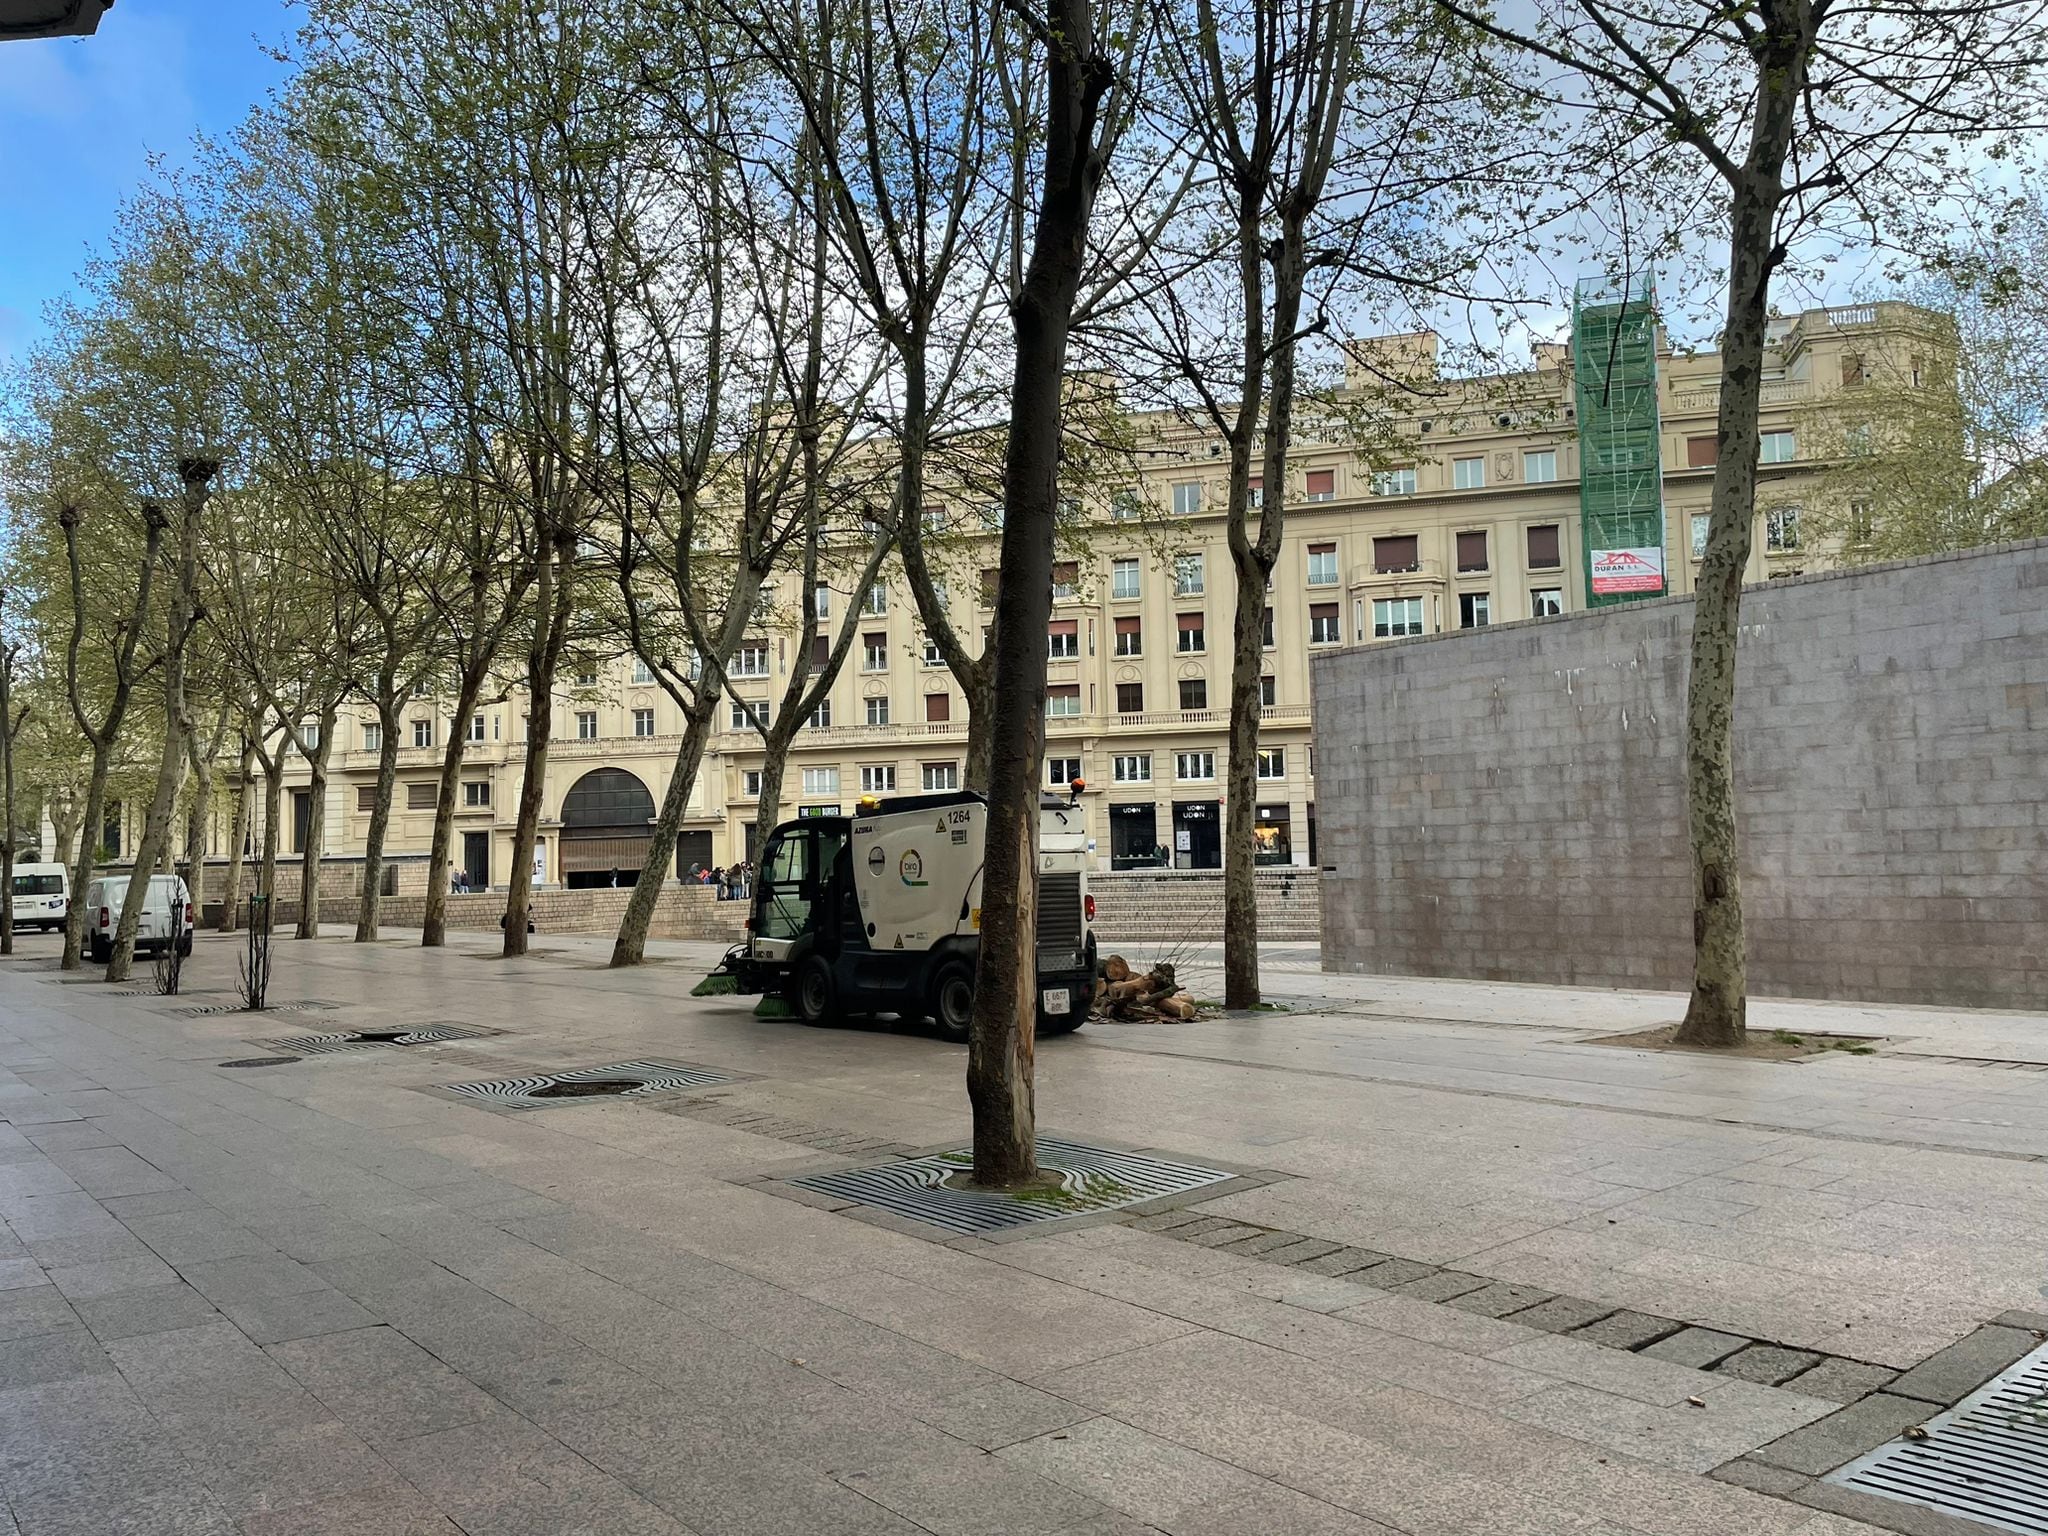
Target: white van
{"x": 42, "y": 895}
{"x": 103, "y": 901}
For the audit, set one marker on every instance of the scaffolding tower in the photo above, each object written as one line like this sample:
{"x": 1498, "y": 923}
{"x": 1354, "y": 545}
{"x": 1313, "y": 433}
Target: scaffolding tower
{"x": 1621, "y": 479}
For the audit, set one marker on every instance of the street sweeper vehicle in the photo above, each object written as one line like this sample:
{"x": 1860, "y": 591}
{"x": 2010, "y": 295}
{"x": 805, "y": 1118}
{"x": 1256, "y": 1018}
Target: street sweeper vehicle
{"x": 880, "y": 912}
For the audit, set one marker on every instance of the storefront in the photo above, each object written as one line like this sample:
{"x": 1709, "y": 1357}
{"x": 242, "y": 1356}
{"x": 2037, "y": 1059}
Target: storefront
{"x": 1271, "y": 836}
{"x": 1197, "y": 834}
{"x": 1134, "y": 837}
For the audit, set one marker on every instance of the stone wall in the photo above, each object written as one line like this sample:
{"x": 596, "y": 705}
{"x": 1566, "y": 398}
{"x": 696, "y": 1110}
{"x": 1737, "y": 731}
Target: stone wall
{"x": 1187, "y": 905}
{"x": 683, "y": 912}
{"x": 1509, "y": 803}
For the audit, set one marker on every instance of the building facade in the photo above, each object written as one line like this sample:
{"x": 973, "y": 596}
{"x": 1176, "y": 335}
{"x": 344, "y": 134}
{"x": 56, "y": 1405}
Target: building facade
{"x": 1477, "y": 522}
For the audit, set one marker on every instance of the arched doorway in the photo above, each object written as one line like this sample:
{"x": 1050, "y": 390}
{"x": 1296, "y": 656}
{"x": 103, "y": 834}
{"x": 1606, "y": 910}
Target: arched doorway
{"x": 607, "y": 819}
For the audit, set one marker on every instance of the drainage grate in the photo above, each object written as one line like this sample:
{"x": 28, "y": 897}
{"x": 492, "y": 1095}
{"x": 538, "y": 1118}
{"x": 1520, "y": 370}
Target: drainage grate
{"x": 1090, "y": 1179}
{"x": 260, "y": 1061}
{"x": 622, "y": 1079}
{"x": 371, "y": 1039}
{"x": 210, "y": 1010}
{"x": 1985, "y": 1459}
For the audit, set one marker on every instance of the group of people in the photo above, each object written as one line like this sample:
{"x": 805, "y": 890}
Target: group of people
{"x": 733, "y": 882}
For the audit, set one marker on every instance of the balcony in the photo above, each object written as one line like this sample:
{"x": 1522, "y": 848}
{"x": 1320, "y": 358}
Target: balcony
{"x": 1423, "y": 573}
{"x": 1707, "y": 397}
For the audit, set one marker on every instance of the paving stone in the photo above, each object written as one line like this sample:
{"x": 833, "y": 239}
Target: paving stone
{"x": 1392, "y": 1273}
{"x": 1696, "y": 1347}
{"x": 1767, "y": 1364}
{"x": 1501, "y": 1300}
{"x": 1845, "y": 1434}
{"x": 1562, "y": 1314}
{"x": 1759, "y": 1477}
{"x": 1965, "y": 1365}
{"x": 2034, "y": 1321}
{"x": 1228, "y": 1232}
{"x": 1841, "y": 1381}
{"x": 1262, "y": 1244}
{"x": 1344, "y": 1261}
{"x": 36, "y": 1309}
{"x": 157, "y": 1310}
{"x": 303, "y": 1315}
{"x": 1441, "y": 1286}
{"x": 1627, "y": 1330}
{"x": 1295, "y": 1253}
{"x": 1166, "y": 1221}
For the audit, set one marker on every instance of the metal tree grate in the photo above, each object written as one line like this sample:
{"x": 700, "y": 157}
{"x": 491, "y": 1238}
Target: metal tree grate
{"x": 1090, "y": 1179}
{"x": 621, "y": 1079}
{"x": 303, "y": 1005}
{"x": 372, "y": 1039}
{"x": 1985, "y": 1459}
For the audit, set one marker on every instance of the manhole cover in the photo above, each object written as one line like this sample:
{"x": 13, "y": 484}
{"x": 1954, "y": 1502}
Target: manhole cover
{"x": 1090, "y": 1179}
{"x": 621, "y": 1079}
{"x": 1986, "y": 1458}
{"x": 261, "y": 1061}
{"x": 367, "y": 1039}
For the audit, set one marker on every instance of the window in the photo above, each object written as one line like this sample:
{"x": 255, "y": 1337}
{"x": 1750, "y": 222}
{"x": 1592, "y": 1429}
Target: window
{"x": 1396, "y": 616}
{"x": 1255, "y": 491}
{"x": 586, "y": 676}
{"x": 1126, "y": 506}
{"x": 821, "y": 717}
{"x": 1132, "y": 768}
{"x": 1777, "y": 448}
{"x": 1066, "y": 578}
{"x": 1702, "y": 452}
{"x": 750, "y": 783}
{"x": 878, "y": 709}
{"x": 1394, "y": 482}
{"x": 476, "y": 793}
{"x": 934, "y": 518}
{"x": 1322, "y": 565}
{"x": 1267, "y": 692}
{"x": 1322, "y": 624}
{"x": 366, "y": 797}
{"x": 1546, "y": 602}
{"x": 1272, "y": 762}
{"x": 1322, "y": 484}
{"x": 1539, "y": 465}
{"x": 1130, "y": 635}
{"x": 422, "y": 795}
{"x": 750, "y": 714}
{"x": 1475, "y": 610}
{"x": 941, "y": 776}
{"x": 1063, "y": 702}
{"x": 821, "y": 600}
{"x": 932, "y": 658}
{"x": 1187, "y": 498}
{"x": 1472, "y": 550}
{"x": 1781, "y": 528}
{"x": 476, "y": 727}
{"x": 1856, "y": 440}
{"x": 1397, "y": 554}
{"x": 878, "y": 778}
{"x": 1545, "y": 551}
{"x": 1701, "y": 521}
{"x": 821, "y": 781}
{"x": 643, "y": 722}
{"x": 423, "y": 733}
{"x": 1188, "y": 576}
{"x": 938, "y": 706}
{"x": 1266, "y": 630}
{"x": 1192, "y": 639}
{"x": 821, "y": 652}
{"x": 373, "y": 737}
{"x": 309, "y": 733}
{"x": 875, "y": 600}
{"x": 1194, "y": 767}
{"x": 1123, "y": 578}
{"x": 1194, "y": 693}
{"x": 642, "y": 673}
{"x": 991, "y": 516}
{"x": 586, "y": 725}
{"x": 1852, "y": 369}
{"x": 874, "y": 653}
{"x": 1862, "y": 523}
{"x": 1063, "y": 640}
{"x": 751, "y": 659}
{"x": 1062, "y": 771}
{"x": 1468, "y": 474}
{"x": 1130, "y": 698}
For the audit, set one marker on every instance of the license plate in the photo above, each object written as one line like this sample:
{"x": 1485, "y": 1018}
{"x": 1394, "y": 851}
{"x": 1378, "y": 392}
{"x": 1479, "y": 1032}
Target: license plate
{"x": 1056, "y": 1000}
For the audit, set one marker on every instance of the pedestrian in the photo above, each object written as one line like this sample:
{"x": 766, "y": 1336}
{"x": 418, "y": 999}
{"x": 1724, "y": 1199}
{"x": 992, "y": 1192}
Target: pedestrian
{"x": 615, "y": 877}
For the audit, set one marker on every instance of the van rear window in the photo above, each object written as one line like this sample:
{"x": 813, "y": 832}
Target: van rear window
{"x": 38, "y": 885}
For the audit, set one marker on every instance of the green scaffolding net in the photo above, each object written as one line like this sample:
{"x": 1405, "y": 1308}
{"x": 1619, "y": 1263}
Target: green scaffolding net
{"x": 1621, "y": 481}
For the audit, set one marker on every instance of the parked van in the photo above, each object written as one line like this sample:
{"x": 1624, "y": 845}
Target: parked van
{"x": 42, "y": 895}
{"x": 103, "y": 902}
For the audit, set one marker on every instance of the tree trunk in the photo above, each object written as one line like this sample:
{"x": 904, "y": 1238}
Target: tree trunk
{"x": 316, "y": 827}
{"x": 9, "y": 731}
{"x": 89, "y": 835}
{"x": 63, "y": 825}
{"x": 630, "y": 947}
{"x": 196, "y": 828}
{"x": 238, "y": 835}
{"x": 434, "y": 921}
{"x": 981, "y": 702}
{"x": 768, "y": 804}
{"x": 1003, "y": 1030}
{"x": 1240, "y": 842}
{"x": 553, "y": 598}
{"x": 273, "y": 831}
{"x": 380, "y": 813}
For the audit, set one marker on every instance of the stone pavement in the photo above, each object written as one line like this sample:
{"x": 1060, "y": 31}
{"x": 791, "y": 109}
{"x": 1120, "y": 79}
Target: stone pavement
{"x": 1505, "y": 1282}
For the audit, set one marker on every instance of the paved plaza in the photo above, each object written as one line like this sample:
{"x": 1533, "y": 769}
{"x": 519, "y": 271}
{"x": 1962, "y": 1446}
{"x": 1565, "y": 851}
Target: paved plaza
{"x": 1469, "y": 1274}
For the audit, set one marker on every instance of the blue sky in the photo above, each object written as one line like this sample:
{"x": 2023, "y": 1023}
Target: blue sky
{"x": 80, "y": 118}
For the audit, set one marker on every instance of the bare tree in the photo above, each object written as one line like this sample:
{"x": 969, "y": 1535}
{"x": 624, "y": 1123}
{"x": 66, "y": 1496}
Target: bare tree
{"x": 1812, "y": 120}
{"x": 10, "y": 733}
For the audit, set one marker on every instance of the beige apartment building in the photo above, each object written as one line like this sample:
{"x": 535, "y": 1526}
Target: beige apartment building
{"x": 1477, "y": 524}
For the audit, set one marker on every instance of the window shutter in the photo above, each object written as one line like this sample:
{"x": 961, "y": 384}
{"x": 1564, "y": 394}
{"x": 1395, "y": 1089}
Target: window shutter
{"x": 1127, "y": 625}
{"x": 1322, "y": 482}
{"x": 1190, "y": 621}
{"x": 1472, "y": 551}
{"x": 1543, "y": 548}
{"x": 421, "y": 795}
{"x": 938, "y": 706}
{"x": 821, "y": 651}
{"x": 1396, "y": 554}
{"x": 366, "y": 797}
{"x": 1701, "y": 452}
{"x": 1068, "y": 626}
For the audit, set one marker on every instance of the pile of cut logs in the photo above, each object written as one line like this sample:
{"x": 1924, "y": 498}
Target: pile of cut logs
{"x": 1154, "y": 995}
